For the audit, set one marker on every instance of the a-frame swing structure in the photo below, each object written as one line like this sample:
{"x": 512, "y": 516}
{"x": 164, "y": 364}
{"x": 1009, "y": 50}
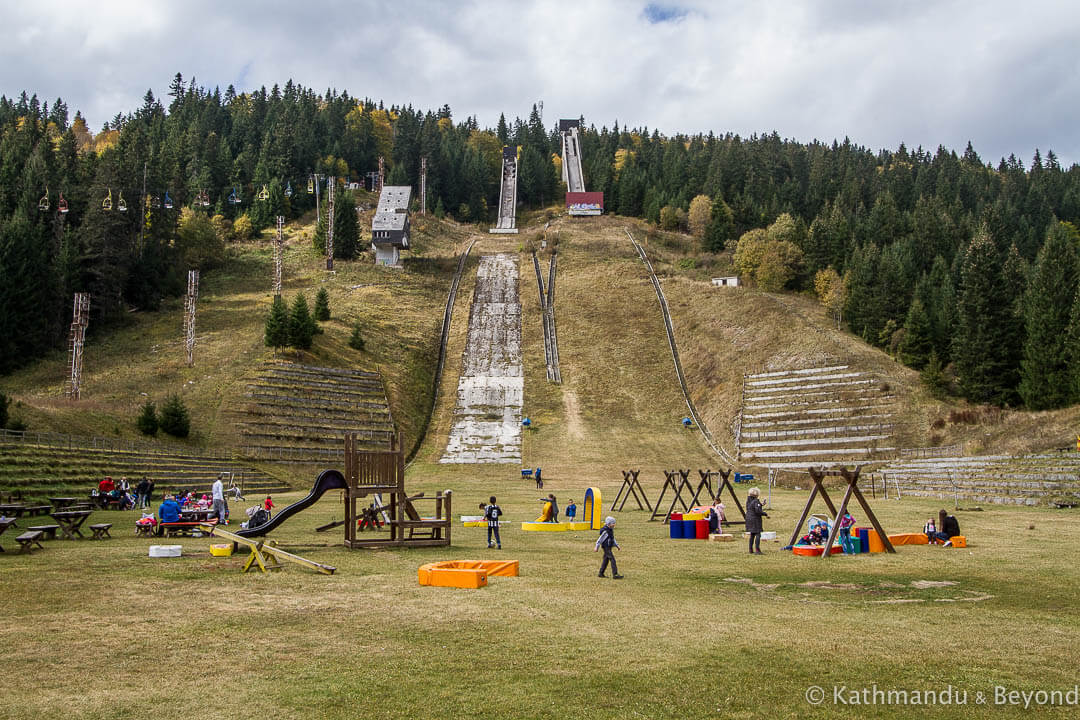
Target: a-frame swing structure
{"x": 676, "y": 488}
{"x": 724, "y": 482}
{"x": 631, "y": 488}
{"x": 852, "y": 479}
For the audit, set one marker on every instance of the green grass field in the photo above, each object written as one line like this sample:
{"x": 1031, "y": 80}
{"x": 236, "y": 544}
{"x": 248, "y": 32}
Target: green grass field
{"x": 696, "y": 629}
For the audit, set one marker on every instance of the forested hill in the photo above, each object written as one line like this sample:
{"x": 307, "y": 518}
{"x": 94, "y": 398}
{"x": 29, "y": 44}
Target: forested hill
{"x": 935, "y": 255}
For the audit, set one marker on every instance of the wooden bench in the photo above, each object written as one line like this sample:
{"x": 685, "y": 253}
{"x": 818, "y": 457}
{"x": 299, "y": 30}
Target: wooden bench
{"x": 101, "y": 531}
{"x": 144, "y": 530}
{"x": 49, "y": 530}
{"x": 180, "y": 528}
{"x": 28, "y": 540}
{"x": 35, "y": 510}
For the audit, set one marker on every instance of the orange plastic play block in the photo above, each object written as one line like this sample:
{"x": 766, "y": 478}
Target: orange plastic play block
{"x": 907, "y": 539}
{"x": 959, "y": 541}
{"x": 469, "y": 574}
{"x": 875, "y": 542}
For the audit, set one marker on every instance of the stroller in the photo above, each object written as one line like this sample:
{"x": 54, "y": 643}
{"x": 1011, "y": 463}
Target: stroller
{"x": 257, "y": 517}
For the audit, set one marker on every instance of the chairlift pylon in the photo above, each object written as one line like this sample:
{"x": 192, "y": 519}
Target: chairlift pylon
{"x": 106, "y": 204}
{"x": 264, "y": 194}
{"x": 121, "y": 204}
{"x": 288, "y": 189}
{"x": 168, "y": 201}
{"x": 61, "y": 205}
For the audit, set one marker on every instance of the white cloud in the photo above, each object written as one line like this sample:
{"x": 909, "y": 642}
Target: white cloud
{"x": 998, "y": 73}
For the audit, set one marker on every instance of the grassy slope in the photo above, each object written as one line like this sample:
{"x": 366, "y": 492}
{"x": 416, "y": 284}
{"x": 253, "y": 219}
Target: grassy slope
{"x": 400, "y": 312}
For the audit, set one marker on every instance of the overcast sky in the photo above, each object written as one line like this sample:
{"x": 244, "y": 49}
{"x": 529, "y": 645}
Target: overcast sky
{"x": 1003, "y": 74}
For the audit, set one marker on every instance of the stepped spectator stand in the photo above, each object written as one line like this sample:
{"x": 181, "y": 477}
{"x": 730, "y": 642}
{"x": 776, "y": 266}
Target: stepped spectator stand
{"x": 852, "y": 480}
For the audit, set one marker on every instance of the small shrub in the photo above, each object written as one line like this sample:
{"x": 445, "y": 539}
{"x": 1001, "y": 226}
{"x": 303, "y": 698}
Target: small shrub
{"x": 322, "y": 305}
{"x": 935, "y": 440}
{"x": 174, "y": 418}
{"x": 886, "y": 388}
{"x": 938, "y": 424}
{"x": 147, "y": 422}
{"x": 356, "y": 341}
{"x": 17, "y": 424}
{"x": 963, "y": 417}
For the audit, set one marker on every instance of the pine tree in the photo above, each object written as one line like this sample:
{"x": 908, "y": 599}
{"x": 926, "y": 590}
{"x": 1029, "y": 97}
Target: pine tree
{"x": 147, "y": 422}
{"x": 917, "y": 344}
{"x": 982, "y": 320}
{"x": 174, "y": 418}
{"x": 346, "y": 227}
{"x": 301, "y": 325}
{"x": 356, "y": 341}
{"x": 721, "y": 227}
{"x": 322, "y": 305}
{"x": 276, "y": 334}
{"x": 1044, "y": 370}
{"x": 1072, "y": 350}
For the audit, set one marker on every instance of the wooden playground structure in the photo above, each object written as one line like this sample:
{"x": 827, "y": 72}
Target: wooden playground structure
{"x": 382, "y": 473}
{"x": 264, "y": 555}
{"x": 676, "y": 481}
{"x": 852, "y": 479}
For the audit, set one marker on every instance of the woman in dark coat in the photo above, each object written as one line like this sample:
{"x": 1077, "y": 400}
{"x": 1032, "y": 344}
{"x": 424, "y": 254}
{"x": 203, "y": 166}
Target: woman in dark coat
{"x": 754, "y": 513}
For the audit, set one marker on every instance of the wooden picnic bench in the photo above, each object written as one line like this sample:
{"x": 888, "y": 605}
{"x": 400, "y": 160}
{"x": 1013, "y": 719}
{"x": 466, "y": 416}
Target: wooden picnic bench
{"x": 15, "y": 511}
{"x": 144, "y": 530}
{"x": 28, "y": 540}
{"x": 34, "y": 510}
{"x": 101, "y": 531}
{"x": 62, "y": 502}
{"x": 49, "y": 530}
{"x": 180, "y": 528}
{"x": 70, "y": 521}
{"x": 5, "y": 523}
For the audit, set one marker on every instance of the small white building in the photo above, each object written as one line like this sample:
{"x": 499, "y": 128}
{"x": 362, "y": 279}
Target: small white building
{"x": 390, "y": 225}
{"x": 732, "y": 281}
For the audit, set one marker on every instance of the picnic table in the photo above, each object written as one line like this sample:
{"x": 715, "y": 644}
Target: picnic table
{"x": 70, "y": 521}
{"x": 5, "y": 523}
{"x": 196, "y": 514}
{"x": 62, "y": 502}
{"x": 14, "y": 511}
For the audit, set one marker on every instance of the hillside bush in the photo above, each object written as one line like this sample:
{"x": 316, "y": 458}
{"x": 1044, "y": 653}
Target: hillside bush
{"x": 356, "y": 342}
{"x": 174, "y": 418}
{"x": 147, "y": 422}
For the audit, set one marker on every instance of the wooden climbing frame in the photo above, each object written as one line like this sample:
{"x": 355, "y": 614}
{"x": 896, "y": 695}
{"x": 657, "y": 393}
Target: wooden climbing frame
{"x": 852, "y": 479}
{"x": 631, "y": 488}
{"x": 374, "y": 472}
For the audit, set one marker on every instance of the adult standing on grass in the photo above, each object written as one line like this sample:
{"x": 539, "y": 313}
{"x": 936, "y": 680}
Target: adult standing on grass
{"x": 607, "y": 542}
{"x": 140, "y": 493}
{"x": 492, "y": 513}
{"x": 218, "y": 491}
{"x": 150, "y": 492}
{"x": 754, "y": 513}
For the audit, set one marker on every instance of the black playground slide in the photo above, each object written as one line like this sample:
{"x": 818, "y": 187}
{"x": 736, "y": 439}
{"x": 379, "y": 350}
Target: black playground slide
{"x": 327, "y": 480}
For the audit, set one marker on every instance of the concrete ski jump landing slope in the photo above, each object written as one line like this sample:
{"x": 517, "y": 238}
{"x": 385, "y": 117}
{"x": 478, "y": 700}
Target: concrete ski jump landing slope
{"x": 487, "y": 419}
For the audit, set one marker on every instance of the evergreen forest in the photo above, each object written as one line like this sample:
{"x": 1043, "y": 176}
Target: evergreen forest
{"x": 963, "y": 268}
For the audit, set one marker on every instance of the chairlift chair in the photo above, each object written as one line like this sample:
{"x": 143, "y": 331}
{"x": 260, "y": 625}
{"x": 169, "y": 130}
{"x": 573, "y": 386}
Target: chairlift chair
{"x": 43, "y": 203}
{"x": 168, "y": 201}
{"x": 155, "y": 202}
{"x": 203, "y": 198}
{"x": 234, "y": 198}
{"x": 264, "y": 194}
{"x": 310, "y": 186}
{"x": 288, "y": 189}
{"x": 61, "y": 205}
{"x": 106, "y": 204}
{"x": 121, "y": 204}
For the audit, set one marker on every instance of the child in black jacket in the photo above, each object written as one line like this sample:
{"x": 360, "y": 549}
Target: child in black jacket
{"x": 607, "y": 542}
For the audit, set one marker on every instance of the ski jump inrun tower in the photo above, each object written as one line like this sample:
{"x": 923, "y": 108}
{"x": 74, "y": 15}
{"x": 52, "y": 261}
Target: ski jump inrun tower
{"x": 507, "y": 222}
{"x": 578, "y": 202}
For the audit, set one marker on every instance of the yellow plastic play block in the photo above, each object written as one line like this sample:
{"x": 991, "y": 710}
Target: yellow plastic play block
{"x": 693, "y": 516}
{"x": 721, "y": 537}
{"x": 578, "y": 525}
{"x": 545, "y": 527}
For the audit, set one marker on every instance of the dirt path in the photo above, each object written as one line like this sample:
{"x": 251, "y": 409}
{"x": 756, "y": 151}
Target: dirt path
{"x": 574, "y": 425}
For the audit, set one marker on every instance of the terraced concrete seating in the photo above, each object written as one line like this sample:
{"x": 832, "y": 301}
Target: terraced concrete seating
{"x": 302, "y": 412}
{"x": 818, "y": 415}
{"x": 1002, "y": 479}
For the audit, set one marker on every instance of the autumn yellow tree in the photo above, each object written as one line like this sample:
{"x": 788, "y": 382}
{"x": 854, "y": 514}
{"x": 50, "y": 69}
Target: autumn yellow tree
{"x": 832, "y": 291}
{"x": 700, "y": 214}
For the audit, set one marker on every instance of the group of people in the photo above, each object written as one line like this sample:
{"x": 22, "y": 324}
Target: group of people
{"x": 109, "y": 492}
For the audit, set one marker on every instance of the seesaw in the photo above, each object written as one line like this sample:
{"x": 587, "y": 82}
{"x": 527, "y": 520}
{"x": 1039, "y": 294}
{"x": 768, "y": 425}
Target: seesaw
{"x": 267, "y": 557}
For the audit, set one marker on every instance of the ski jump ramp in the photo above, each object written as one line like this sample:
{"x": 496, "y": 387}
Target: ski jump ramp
{"x": 487, "y": 418}
{"x": 507, "y": 222}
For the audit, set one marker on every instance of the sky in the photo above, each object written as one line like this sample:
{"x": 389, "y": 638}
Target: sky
{"x": 1004, "y": 75}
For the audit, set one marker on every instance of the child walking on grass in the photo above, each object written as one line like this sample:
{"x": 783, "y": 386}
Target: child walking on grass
{"x": 607, "y": 542}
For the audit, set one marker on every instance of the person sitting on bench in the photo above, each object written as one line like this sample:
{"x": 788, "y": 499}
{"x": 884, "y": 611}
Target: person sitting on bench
{"x": 168, "y": 512}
